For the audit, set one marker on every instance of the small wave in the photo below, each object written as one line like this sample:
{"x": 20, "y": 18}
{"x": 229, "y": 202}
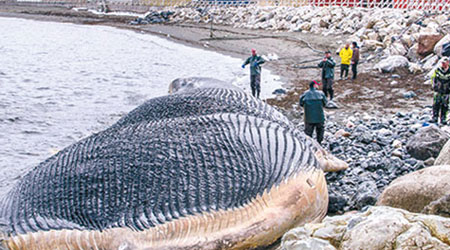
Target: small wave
{"x": 43, "y": 88}
{"x": 31, "y": 132}
{"x": 13, "y": 119}
{"x": 29, "y": 154}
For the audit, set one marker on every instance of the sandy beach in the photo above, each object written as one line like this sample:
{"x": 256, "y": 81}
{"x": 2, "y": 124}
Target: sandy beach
{"x": 297, "y": 56}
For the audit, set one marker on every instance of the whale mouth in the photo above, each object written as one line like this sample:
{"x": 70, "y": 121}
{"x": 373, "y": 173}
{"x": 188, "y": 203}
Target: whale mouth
{"x": 299, "y": 199}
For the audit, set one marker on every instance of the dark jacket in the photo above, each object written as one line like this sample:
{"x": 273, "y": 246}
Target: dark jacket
{"x": 355, "y": 56}
{"x": 327, "y": 68}
{"x": 254, "y": 62}
{"x": 313, "y": 102}
{"x": 441, "y": 81}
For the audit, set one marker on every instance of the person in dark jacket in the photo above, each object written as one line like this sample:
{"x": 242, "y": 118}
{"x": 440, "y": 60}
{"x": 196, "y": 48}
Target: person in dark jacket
{"x": 255, "y": 72}
{"x": 355, "y": 60}
{"x": 313, "y": 102}
{"x": 327, "y": 65}
{"x": 441, "y": 87}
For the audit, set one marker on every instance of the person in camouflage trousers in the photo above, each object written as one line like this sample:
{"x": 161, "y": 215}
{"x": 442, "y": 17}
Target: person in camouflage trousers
{"x": 441, "y": 87}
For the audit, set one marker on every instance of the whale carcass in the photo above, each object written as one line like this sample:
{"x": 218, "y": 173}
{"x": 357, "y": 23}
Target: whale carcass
{"x": 208, "y": 168}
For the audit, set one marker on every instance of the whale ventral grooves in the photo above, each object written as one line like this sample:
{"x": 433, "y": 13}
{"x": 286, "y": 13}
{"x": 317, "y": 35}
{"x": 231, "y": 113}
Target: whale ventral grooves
{"x": 192, "y": 152}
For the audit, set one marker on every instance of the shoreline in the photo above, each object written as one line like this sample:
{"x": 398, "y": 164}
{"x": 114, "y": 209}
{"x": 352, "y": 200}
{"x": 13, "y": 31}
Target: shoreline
{"x": 373, "y": 92}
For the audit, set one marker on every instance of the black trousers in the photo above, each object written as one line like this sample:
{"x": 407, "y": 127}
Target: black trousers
{"x": 354, "y": 70}
{"x": 344, "y": 69}
{"x": 255, "y": 84}
{"x": 309, "y": 129}
{"x": 328, "y": 87}
{"x": 440, "y": 107}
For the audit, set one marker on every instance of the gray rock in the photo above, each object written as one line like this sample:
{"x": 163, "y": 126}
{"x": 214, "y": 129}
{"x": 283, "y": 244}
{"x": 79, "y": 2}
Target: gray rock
{"x": 332, "y": 105}
{"x": 336, "y": 203}
{"x": 279, "y": 92}
{"x": 409, "y": 94}
{"x": 367, "y": 194}
{"x": 427, "y": 142}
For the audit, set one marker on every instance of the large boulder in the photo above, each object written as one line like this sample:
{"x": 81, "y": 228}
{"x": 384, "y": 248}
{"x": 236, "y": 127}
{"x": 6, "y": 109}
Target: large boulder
{"x": 427, "y": 142}
{"x": 427, "y": 43}
{"x": 391, "y": 63}
{"x": 417, "y": 190}
{"x": 377, "y": 228}
{"x": 444, "y": 155}
{"x": 438, "y": 46}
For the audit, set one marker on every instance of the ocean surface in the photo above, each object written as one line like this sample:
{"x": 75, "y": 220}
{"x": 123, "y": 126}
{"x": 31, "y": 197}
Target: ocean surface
{"x": 62, "y": 82}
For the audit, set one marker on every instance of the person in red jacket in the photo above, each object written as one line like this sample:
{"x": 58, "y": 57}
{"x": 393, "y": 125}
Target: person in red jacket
{"x": 255, "y": 72}
{"x": 327, "y": 66}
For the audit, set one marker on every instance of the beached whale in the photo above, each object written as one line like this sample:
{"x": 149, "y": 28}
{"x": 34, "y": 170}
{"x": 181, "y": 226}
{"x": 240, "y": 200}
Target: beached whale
{"x": 207, "y": 168}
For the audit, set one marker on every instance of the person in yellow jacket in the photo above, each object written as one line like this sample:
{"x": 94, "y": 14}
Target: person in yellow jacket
{"x": 346, "y": 54}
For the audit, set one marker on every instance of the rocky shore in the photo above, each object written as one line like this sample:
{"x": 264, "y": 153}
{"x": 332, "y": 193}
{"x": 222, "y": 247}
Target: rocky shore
{"x": 414, "y": 34}
{"x": 378, "y": 151}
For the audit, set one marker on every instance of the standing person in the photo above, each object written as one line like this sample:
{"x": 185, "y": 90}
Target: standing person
{"x": 355, "y": 60}
{"x": 346, "y": 54}
{"x": 313, "y": 102}
{"x": 255, "y": 72}
{"x": 441, "y": 87}
{"x": 327, "y": 65}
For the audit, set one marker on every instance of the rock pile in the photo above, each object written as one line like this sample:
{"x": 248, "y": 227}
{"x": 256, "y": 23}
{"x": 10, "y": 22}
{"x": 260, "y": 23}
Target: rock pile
{"x": 375, "y": 150}
{"x": 377, "y": 228}
{"x": 415, "y": 35}
{"x": 153, "y": 17}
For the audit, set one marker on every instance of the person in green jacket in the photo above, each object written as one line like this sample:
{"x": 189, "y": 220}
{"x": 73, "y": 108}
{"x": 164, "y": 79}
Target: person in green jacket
{"x": 313, "y": 102}
{"x": 441, "y": 87}
{"x": 255, "y": 72}
{"x": 327, "y": 65}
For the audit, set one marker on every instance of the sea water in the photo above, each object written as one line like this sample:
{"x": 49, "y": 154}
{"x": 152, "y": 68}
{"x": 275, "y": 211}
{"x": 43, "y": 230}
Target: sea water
{"x": 62, "y": 82}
